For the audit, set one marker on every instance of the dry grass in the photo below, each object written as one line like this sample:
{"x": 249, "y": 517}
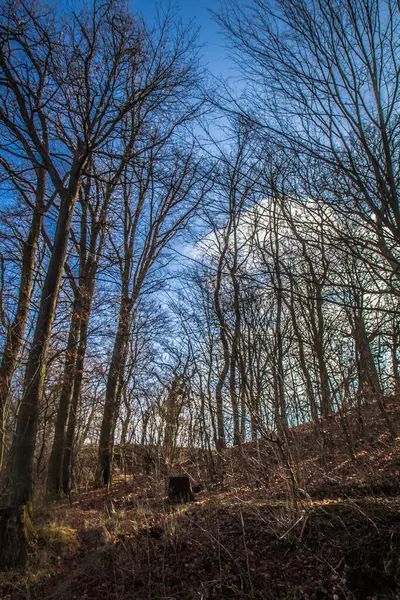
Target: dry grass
{"x": 241, "y": 541}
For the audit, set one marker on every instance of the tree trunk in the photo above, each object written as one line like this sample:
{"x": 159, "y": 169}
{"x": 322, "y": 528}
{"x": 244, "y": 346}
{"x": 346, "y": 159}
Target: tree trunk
{"x": 56, "y": 456}
{"x": 279, "y": 374}
{"x": 395, "y": 359}
{"x": 179, "y": 489}
{"x": 75, "y": 356}
{"x": 171, "y": 419}
{"x": 316, "y": 316}
{"x": 86, "y": 308}
{"x": 16, "y": 330}
{"x": 115, "y": 374}
{"x": 302, "y": 359}
{"x": 369, "y": 370}
{"x": 326, "y": 407}
{"x": 15, "y": 531}
{"x": 220, "y": 442}
{"x": 234, "y": 357}
{"x": 23, "y": 446}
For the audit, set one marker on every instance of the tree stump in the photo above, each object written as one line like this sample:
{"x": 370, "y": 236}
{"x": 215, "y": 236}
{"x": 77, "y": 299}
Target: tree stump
{"x": 14, "y": 535}
{"x": 179, "y": 490}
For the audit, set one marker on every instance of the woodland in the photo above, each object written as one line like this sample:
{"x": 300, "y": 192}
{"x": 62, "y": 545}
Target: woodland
{"x": 200, "y": 302}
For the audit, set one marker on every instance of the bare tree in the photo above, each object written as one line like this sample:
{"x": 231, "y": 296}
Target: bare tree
{"x": 156, "y": 207}
{"x": 326, "y": 84}
{"x": 79, "y": 114}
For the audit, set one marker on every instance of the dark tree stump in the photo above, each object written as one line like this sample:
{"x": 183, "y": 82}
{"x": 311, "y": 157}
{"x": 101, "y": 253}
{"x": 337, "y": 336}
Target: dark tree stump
{"x": 14, "y": 533}
{"x": 179, "y": 489}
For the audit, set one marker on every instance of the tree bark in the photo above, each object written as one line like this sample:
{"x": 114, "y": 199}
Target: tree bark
{"x": 23, "y": 446}
{"x": 279, "y": 374}
{"x": 302, "y": 358}
{"x": 16, "y": 330}
{"x": 57, "y": 451}
{"x": 87, "y": 295}
{"x": 179, "y": 489}
{"x": 171, "y": 418}
{"x": 326, "y": 407}
{"x": 220, "y": 442}
{"x": 117, "y": 366}
{"x": 89, "y": 255}
{"x": 15, "y": 531}
{"x": 234, "y": 355}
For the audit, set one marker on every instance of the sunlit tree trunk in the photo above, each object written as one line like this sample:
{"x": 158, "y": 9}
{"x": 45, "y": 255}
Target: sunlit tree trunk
{"x": 68, "y": 444}
{"x": 22, "y": 449}
{"x": 55, "y": 461}
{"x": 16, "y": 330}
{"x": 110, "y": 414}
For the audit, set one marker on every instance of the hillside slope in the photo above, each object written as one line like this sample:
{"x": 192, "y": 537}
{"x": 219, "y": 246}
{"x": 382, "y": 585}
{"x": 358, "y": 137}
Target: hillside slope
{"x": 241, "y": 540}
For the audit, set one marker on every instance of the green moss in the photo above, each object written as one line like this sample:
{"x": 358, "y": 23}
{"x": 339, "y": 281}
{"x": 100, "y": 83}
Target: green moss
{"x": 29, "y": 529}
{"x": 60, "y": 539}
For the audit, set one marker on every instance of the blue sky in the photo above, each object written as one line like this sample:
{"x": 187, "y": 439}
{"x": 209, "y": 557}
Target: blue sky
{"x": 214, "y": 51}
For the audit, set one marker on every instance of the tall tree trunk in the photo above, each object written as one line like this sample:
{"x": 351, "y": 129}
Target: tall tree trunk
{"x": 23, "y": 446}
{"x": 326, "y": 406}
{"x": 281, "y": 420}
{"x": 117, "y": 367}
{"x": 220, "y": 442}
{"x": 279, "y": 375}
{"x": 86, "y": 292}
{"x": 89, "y": 255}
{"x": 302, "y": 358}
{"x": 16, "y": 330}
{"x": 234, "y": 357}
{"x": 171, "y": 420}
{"x": 55, "y": 462}
{"x": 88, "y": 262}
{"x": 252, "y": 382}
{"x": 234, "y": 396}
{"x": 316, "y": 314}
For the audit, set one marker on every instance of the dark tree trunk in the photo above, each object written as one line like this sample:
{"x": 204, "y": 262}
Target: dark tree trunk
{"x": 279, "y": 375}
{"x": 326, "y": 405}
{"x": 220, "y": 442}
{"x": 369, "y": 371}
{"x": 179, "y": 489}
{"x": 302, "y": 359}
{"x": 234, "y": 358}
{"x": 15, "y": 530}
{"x": 316, "y": 316}
{"x": 72, "y": 379}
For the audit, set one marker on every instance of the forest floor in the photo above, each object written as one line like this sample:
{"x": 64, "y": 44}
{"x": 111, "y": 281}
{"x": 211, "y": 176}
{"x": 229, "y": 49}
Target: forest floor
{"x": 241, "y": 540}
